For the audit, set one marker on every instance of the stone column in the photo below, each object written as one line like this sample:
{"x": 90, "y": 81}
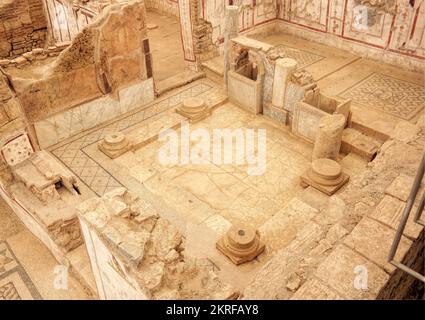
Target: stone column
{"x": 230, "y": 32}
{"x": 329, "y": 137}
{"x": 282, "y": 73}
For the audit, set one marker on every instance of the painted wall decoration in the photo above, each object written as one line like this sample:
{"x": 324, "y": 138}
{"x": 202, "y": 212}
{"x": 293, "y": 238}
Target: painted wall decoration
{"x": 186, "y": 13}
{"x": 251, "y": 13}
{"x": 67, "y": 19}
{"x": 394, "y": 25}
{"x": 17, "y": 149}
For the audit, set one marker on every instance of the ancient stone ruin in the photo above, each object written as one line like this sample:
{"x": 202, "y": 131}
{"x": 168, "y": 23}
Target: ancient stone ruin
{"x": 187, "y": 149}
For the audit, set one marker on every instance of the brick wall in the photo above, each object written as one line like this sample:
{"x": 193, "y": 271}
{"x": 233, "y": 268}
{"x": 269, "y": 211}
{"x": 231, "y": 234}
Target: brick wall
{"x": 23, "y": 26}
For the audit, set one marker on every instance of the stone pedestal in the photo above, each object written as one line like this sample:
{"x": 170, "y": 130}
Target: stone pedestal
{"x": 329, "y": 137}
{"x": 194, "y": 109}
{"x": 230, "y": 32}
{"x": 114, "y": 145}
{"x": 325, "y": 175}
{"x": 282, "y": 74}
{"x": 241, "y": 244}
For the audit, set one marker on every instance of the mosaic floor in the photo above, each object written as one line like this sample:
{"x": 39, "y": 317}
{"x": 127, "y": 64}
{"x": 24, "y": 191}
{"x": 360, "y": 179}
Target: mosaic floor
{"x": 388, "y": 94}
{"x": 87, "y": 169}
{"x": 15, "y": 284}
{"x": 28, "y": 274}
{"x": 368, "y": 84}
{"x": 304, "y": 58}
{"x": 231, "y": 194}
{"x": 197, "y": 192}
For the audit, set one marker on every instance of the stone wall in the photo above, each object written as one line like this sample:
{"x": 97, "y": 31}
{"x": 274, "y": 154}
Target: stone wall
{"x": 393, "y": 33}
{"x": 67, "y": 18}
{"x": 136, "y": 254}
{"x": 23, "y": 26}
{"x": 337, "y": 247}
{"x": 105, "y": 72}
{"x": 12, "y": 120}
{"x": 251, "y": 15}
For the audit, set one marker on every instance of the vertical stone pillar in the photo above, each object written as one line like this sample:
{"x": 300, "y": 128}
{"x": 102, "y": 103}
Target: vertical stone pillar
{"x": 187, "y": 17}
{"x": 282, "y": 73}
{"x": 230, "y": 32}
{"x": 329, "y": 137}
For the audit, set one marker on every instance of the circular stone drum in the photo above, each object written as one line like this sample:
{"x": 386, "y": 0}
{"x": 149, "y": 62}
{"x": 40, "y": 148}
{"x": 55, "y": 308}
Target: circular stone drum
{"x": 193, "y": 106}
{"x": 242, "y": 241}
{"x": 115, "y": 141}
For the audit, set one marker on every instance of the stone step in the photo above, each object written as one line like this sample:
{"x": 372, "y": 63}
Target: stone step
{"x": 149, "y": 130}
{"x": 379, "y": 131}
{"x": 214, "y": 69}
{"x": 177, "y": 81}
{"x": 356, "y": 142}
{"x": 374, "y": 124}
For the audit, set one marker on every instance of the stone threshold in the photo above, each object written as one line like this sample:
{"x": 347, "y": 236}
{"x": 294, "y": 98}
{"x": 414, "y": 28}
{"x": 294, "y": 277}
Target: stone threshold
{"x": 177, "y": 81}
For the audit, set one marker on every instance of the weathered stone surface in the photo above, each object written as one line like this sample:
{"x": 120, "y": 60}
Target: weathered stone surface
{"x": 147, "y": 251}
{"x": 165, "y": 238}
{"x": 314, "y": 289}
{"x": 47, "y": 190}
{"x": 46, "y": 96}
{"x": 389, "y": 212}
{"x": 329, "y": 137}
{"x": 284, "y": 226}
{"x": 338, "y": 271}
{"x": 23, "y": 26}
{"x": 400, "y": 187}
{"x": 106, "y": 56}
{"x": 277, "y": 278}
{"x": 373, "y": 240}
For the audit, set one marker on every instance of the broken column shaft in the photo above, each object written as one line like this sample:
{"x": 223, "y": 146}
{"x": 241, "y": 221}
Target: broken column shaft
{"x": 329, "y": 137}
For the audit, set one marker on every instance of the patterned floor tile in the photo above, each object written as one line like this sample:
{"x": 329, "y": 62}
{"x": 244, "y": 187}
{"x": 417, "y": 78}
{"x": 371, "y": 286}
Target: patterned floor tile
{"x": 15, "y": 283}
{"x": 9, "y": 292}
{"x": 87, "y": 169}
{"x": 399, "y": 98}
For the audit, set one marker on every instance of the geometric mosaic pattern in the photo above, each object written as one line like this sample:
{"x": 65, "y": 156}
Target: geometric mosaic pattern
{"x": 7, "y": 261}
{"x": 303, "y": 58}
{"x": 9, "y": 292}
{"x": 399, "y": 98}
{"x": 13, "y": 275}
{"x": 89, "y": 171}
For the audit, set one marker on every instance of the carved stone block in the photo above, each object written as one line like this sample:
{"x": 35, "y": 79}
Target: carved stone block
{"x": 114, "y": 145}
{"x": 241, "y": 244}
{"x": 325, "y": 175}
{"x": 194, "y": 109}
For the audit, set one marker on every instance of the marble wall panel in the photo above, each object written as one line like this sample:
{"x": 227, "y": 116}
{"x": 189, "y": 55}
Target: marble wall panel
{"x": 88, "y": 115}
